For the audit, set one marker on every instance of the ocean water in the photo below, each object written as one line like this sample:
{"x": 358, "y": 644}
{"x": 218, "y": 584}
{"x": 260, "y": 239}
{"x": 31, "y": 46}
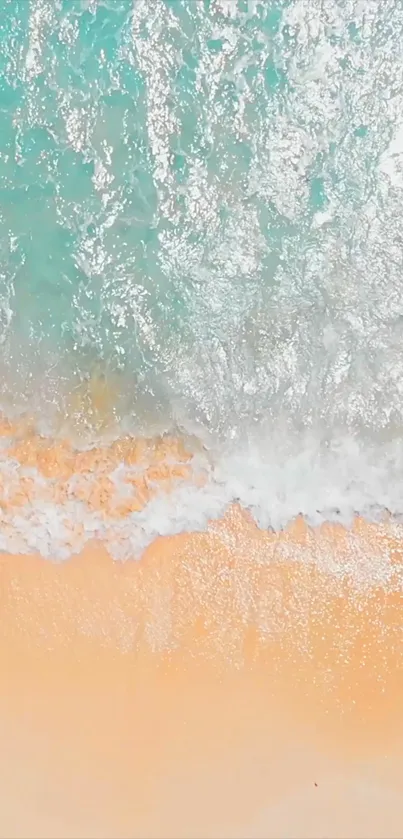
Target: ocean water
{"x": 201, "y": 266}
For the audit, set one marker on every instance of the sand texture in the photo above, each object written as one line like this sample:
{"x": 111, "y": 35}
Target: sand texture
{"x": 230, "y": 684}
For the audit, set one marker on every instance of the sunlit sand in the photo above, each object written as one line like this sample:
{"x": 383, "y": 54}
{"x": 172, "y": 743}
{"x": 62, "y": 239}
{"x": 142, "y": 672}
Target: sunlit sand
{"x": 217, "y": 688}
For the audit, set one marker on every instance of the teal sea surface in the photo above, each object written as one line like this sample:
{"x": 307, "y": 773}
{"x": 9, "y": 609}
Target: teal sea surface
{"x": 201, "y": 206}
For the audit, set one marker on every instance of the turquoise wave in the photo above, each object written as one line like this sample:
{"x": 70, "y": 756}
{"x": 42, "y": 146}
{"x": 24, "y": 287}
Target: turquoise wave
{"x": 202, "y": 201}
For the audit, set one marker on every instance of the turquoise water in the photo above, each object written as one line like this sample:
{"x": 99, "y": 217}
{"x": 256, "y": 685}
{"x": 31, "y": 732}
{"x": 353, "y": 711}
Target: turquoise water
{"x": 203, "y": 201}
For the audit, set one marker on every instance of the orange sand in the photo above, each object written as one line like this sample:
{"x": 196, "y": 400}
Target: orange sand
{"x": 224, "y": 686}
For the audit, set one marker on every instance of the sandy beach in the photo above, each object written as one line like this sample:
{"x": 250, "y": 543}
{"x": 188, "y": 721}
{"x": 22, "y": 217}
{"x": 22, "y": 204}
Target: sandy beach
{"x": 227, "y": 685}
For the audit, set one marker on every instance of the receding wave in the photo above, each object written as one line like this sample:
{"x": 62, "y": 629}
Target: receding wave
{"x": 55, "y": 496}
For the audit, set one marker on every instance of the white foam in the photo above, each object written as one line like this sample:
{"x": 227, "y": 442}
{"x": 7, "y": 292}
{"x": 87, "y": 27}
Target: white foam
{"x": 275, "y": 478}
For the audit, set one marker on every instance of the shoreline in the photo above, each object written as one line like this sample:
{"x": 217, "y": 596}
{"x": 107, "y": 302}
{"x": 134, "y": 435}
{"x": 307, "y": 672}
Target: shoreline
{"x": 55, "y": 496}
{"x": 205, "y": 689}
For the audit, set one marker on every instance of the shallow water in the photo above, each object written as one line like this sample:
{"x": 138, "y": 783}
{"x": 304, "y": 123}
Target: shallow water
{"x": 200, "y": 236}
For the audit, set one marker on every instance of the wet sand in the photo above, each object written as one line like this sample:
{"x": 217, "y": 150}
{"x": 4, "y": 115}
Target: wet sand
{"x": 230, "y": 684}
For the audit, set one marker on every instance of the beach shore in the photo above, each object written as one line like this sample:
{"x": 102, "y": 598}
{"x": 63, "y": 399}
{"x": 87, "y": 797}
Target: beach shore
{"x": 229, "y": 684}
